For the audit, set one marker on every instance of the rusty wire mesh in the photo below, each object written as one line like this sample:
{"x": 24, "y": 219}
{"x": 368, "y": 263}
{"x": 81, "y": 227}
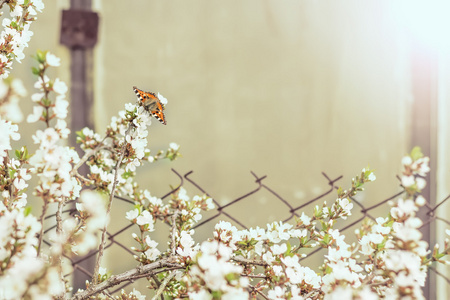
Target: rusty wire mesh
{"x": 84, "y": 265}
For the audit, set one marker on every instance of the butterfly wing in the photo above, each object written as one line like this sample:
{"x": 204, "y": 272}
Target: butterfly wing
{"x": 151, "y": 103}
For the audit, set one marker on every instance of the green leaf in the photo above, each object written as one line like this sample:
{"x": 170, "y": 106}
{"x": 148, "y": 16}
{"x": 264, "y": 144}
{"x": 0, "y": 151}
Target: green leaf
{"x": 289, "y": 247}
{"x": 326, "y": 239}
{"x": 80, "y": 133}
{"x": 25, "y": 155}
{"x": 27, "y": 210}
{"x": 416, "y": 153}
{"x": 40, "y": 56}
{"x": 216, "y": 294}
{"x": 35, "y": 71}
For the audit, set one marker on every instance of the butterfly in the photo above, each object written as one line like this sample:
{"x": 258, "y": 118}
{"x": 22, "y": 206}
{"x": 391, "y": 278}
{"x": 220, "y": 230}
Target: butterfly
{"x": 151, "y": 102}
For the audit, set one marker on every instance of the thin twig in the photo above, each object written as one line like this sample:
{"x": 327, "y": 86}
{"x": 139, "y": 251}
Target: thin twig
{"x": 107, "y": 294}
{"x": 158, "y": 283}
{"x": 262, "y": 276}
{"x": 259, "y": 292}
{"x": 164, "y": 284}
{"x": 11, "y": 185}
{"x": 87, "y": 181}
{"x": 86, "y": 156}
{"x": 41, "y": 221}
{"x": 174, "y": 231}
{"x": 250, "y": 261}
{"x": 2, "y": 3}
{"x": 59, "y": 215}
{"x": 111, "y": 198}
{"x": 59, "y": 232}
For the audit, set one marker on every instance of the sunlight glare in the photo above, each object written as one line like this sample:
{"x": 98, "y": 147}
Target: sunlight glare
{"x": 428, "y": 21}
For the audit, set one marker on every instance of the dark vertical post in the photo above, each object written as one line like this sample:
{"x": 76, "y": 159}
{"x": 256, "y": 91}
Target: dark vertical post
{"x": 424, "y": 134}
{"x": 79, "y": 29}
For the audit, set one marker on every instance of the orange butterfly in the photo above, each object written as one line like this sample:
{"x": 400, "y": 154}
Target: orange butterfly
{"x": 151, "y": 103}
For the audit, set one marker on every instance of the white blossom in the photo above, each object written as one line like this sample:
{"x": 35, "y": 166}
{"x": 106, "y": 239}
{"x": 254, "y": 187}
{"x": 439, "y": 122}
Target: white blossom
{"x": 9, "y": 132}
{"x": 52, "y": 60}
{"x": 145, "y": 218}
{"x": 59, "y": 87}
{"x": 174, "y": 146}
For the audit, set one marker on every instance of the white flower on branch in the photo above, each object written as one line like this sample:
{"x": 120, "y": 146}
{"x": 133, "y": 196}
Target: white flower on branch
{"x": 277, "y": 293}
{"x": 17, "y": 11}
{"x": 60, "y": 108}
{"x": 187, "y": 246}
{"x": 408, "y": 181}
{"x": 92, "y": 205}
{"x": 277, "y": 232}
{"x": 200, "y": 295}
{"x": 52, "y": 60}
{"x": 146, "y": 219}
{"x": 18, "y": 246}
{"x": 226, "y": 233}
{"x": 37, "y": 97}
{"x": 41, "y": 84}
{"x": 214, "y": 269}
{"x": 174, "y": 146}
{"x": 152, "y": 253}
{"x": 154, "y": 201}
{"x": 132, "y": 214}
{"x": 345, "y": 205}
{"x": 403, "y": 208}
{"x": 60, "y": 87}
{"x": 9, "y": 132}
{"x": 278, "y": 249}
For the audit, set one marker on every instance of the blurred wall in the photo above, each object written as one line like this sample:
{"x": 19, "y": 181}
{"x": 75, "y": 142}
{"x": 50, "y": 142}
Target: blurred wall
{"x": 286, "y": 89}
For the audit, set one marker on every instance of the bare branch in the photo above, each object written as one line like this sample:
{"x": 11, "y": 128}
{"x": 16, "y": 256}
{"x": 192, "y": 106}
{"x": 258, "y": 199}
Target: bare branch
{"x": 139, "y": 272}
{"x": 88, "y": 181}
{"x": 59, "y": 231}
{"x": 111, "y": 198}
{"x": 164, "y": 284}
{"x": 259, "y": 292}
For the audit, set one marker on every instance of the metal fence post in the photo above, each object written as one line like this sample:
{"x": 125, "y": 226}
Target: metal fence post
{"x": 79, "y": 28}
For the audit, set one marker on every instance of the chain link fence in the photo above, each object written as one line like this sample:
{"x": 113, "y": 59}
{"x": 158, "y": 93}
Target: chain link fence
{"x": 83, "y": 266}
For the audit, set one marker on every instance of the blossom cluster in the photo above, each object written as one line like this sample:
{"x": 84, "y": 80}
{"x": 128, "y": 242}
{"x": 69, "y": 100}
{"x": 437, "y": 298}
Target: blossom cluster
{"x": 128, "y": 130}
{"x": 52, "y": 162}
{"x": 389, "y": 261}
{"x": 92, "y": 217}
{"x": 56, "y": 167}
{"x": 18, "y": 251}
{"x": 188, "y": 213}
{"x": 223, "y": 267}
{"x": 16, "y": 31}
{"x": 214, "y": 273}
{"x": 11, "y": 91}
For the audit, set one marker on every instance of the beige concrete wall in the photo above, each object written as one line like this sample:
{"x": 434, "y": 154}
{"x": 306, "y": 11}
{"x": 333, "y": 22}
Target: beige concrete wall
{"x": 287, "y": 89}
